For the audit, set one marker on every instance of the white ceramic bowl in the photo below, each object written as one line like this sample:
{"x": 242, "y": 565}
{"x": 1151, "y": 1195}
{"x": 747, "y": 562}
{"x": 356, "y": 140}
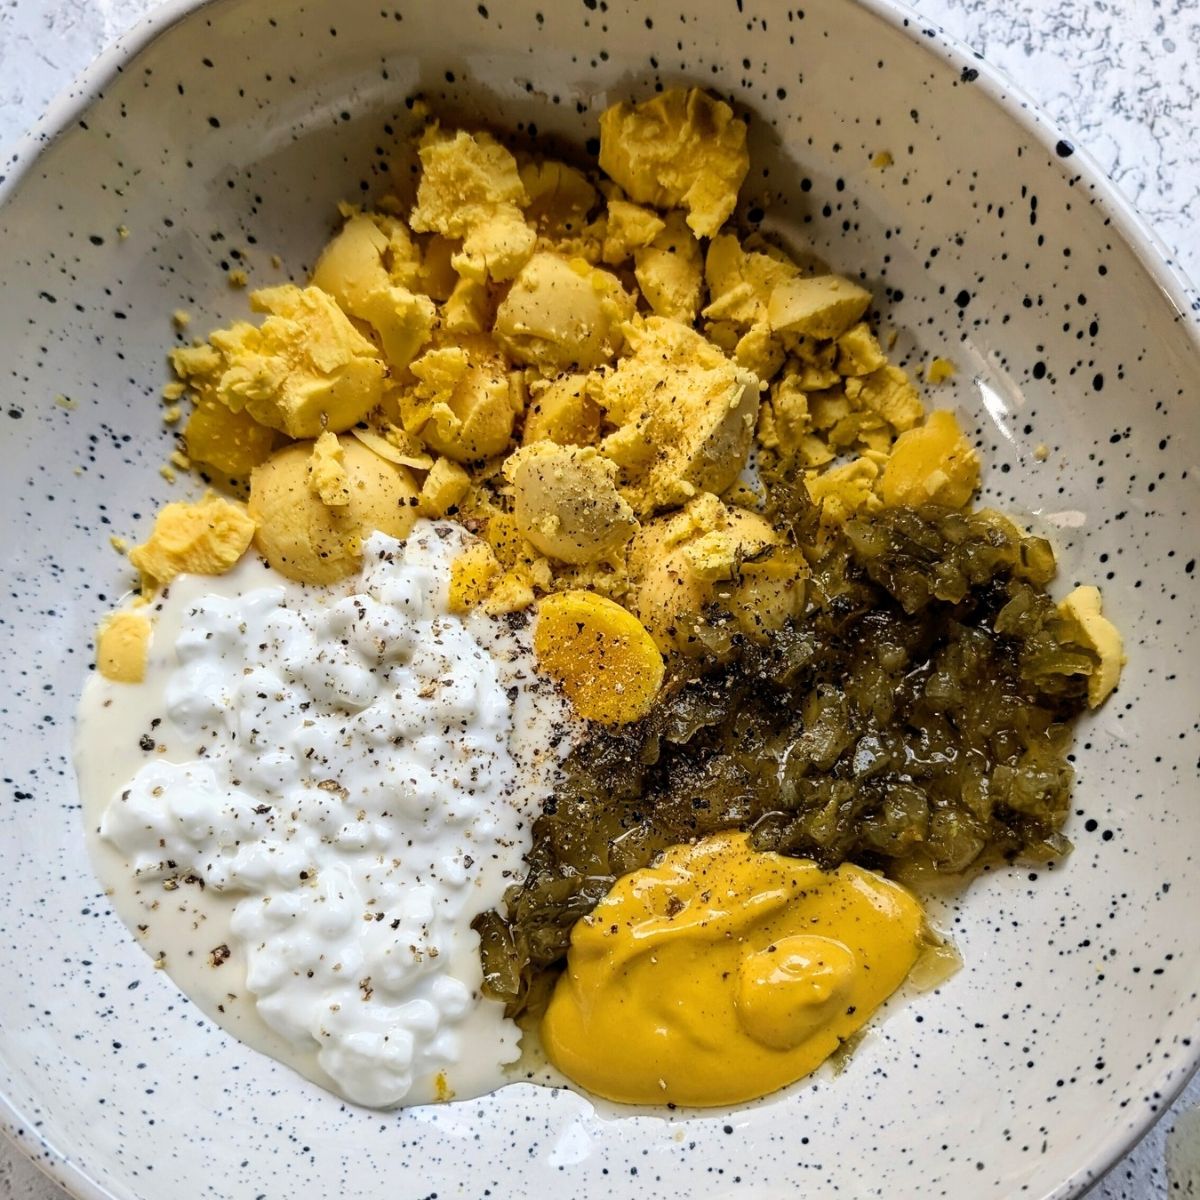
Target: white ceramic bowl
{"x": 237, "y": 125}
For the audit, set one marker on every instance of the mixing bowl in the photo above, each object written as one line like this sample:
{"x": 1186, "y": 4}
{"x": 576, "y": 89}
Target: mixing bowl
{"x": 224, "y": 133}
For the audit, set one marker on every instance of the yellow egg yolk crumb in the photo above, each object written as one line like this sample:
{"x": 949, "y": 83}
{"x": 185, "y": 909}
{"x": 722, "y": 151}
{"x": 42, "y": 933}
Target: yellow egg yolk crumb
{"x": 1100, "y": 636}
{"x": 122, "y": 645}
{"x": 471, "y": 189}
{"x": 472, "y": 576}
{"x": 685, "y": 415}
{"x": 444, "y": 487}
{"x": 939, "y": 370}
{"x": 678, "y": 149}
{"x": 933, "y": 463}
{"x": 204, "y": 537}
{"x": 566, "y": 504}
{"x": 327, "y": 472}
{"x": 315, "y": 503}
{"x": 304, "y": 370}
{"x": 232, "y": 443}
{"x": 601, "y": 653}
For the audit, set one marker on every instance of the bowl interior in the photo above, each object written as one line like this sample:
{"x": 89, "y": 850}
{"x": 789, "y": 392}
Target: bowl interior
{"x": 230, "y": 138}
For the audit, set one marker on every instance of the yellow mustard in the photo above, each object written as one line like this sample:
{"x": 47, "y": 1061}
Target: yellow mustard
{"x": 724, "y": 973}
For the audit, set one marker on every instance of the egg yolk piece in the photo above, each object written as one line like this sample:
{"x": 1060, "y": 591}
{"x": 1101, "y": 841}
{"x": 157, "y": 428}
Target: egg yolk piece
{"x": 724, "y": 973}
{"x": 601, "y": 653}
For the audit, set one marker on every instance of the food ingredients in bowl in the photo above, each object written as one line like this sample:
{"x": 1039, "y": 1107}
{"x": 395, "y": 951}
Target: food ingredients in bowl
{"x": 682, "y": 497}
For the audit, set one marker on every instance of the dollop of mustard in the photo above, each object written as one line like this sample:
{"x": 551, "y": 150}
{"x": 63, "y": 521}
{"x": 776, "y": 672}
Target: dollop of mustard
{"x": 725, "y": 973}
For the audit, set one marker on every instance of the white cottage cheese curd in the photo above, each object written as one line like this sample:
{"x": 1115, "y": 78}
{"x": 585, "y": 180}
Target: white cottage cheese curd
{"x": 352, "y": 773}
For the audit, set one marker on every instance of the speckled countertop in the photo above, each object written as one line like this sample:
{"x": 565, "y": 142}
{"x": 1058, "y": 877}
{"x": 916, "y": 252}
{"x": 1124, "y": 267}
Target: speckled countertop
{"x": 1121, "y": 76}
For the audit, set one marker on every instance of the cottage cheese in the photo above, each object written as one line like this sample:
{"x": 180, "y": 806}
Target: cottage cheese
{"x": 341, "y": 778}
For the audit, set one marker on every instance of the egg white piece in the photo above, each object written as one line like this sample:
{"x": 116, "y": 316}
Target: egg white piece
{"x": 334, "y": 782}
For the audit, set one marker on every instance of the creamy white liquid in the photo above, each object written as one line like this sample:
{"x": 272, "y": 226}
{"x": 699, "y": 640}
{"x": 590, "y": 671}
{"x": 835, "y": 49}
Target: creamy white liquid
{"x": 314, "y": 791}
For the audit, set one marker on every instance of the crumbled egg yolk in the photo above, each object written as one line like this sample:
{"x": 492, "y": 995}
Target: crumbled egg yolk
{"x": 684, "y": 414}
{"x": 580, "y": 373}
{"x": 933, "y": 463}
{"x": 939, "y": 370}
{"x": 562, "y": 313}
{"x": 122, "y": 645}
{"x": 629, "y": 227}
{"x": 472, "y": 576}
{"x": 203, "y": 537}
{"x": 313, "y": 504}
{"x": 678, "y": 149}
{"x": 566, "y": 502}
{"x": 304, "y": 370}
{"x": 399, "y": 336}
{"x": 670, "y": 271}
{"x": 821, "y": 306}
{"x": 327, "y": 475}
{"x": 471, "y": 189}
{"x": 369, "y": 268}
{"x": 443, "y": 489}
{"x": 232, "y": 442}
{"x": 464, "y": 402}
{"x": 1100, "y": 636}
{"x": 602, "y": 655}
{"x": 845, "y": 490}
{"x": 678, "y": 559}
{"x": 562, "y": 411}
{"x": 722, "y": 974}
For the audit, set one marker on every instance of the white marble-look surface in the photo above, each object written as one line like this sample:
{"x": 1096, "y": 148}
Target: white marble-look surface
{"x": 1122, "y": 77}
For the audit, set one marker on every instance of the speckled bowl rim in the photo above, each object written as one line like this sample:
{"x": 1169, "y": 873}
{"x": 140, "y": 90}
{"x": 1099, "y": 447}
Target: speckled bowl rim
{"x": 1151, "y": 252}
